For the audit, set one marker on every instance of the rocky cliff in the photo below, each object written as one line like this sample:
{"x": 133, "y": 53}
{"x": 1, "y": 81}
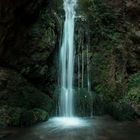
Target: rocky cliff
{"x": 30, "y": 33}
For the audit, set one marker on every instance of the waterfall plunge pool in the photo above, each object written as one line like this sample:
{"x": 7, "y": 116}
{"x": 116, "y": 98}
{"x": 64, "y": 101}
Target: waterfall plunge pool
{"x": 68, "y": 122}
{"x": 96, "y": 128}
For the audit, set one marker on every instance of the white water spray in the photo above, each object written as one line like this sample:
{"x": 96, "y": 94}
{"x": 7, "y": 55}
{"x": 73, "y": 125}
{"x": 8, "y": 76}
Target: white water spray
{"x": 67, "y": 60}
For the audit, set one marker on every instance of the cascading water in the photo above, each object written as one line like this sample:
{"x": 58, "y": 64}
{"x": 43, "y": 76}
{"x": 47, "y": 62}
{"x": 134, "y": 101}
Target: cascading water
{"x": 67, "y": 60}
{"x": 66, "y": 117}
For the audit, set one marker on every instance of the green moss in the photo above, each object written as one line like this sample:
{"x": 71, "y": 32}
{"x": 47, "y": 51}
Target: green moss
{"x": 133, "y": 95}
{"x": 15, "y": 116}
{"x": 18, "y": 96}
{"x": 134, "y": 80}
{"x": 109, "y": 62}
{"x": 27, "y": 97}
{"x": 106, "y": 40}
{"x": 32, "y": 98}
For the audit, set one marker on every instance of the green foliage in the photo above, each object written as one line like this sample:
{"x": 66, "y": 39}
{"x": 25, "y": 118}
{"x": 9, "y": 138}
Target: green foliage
{"x": 134, "y": 81}
{"x": 41, "y": 42}
{"x": 15, "y": 116}
{"x": 43, "y": 30}
{"x": 103, "y": 19}
{"x": 133, "y": 94}
{"x": 101, "y": 72}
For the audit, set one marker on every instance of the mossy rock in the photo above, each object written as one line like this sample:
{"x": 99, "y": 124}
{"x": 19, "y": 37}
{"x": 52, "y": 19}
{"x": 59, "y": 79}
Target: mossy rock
{"x": 15, "y": 91}
{"x": 33, "y": 98}
{"x": 133, "y": 95}
{"x": 17, "y": 97}
{"x": 10, "y": 116}
{"x": 34, "y": 116}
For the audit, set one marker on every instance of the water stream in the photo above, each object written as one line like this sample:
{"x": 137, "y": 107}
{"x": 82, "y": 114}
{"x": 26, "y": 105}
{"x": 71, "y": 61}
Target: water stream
{"x": 66, "y": 113}
{"x": 67, "y": 60}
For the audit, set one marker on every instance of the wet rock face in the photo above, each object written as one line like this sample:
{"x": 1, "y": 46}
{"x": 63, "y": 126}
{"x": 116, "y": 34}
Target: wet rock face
{"x": 133, "y": 10}
{"x": 28, "y": 47}
{"x": 133, "y": 49}
{"x": 114, "y": 3}
{"x": 29, "y": 39}
{"x": 13, "y": 14}
{"x": 16, "y": 91}
{"x": 113, "y": 30}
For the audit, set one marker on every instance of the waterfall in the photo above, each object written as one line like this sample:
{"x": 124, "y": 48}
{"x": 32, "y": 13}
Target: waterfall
{"x": 83, "y": 61}
{"x": 89, "y": 82}
{"x": 66, "y": 117}
{"x": 67, "y": 60}
{"x": 88, "y": 67}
